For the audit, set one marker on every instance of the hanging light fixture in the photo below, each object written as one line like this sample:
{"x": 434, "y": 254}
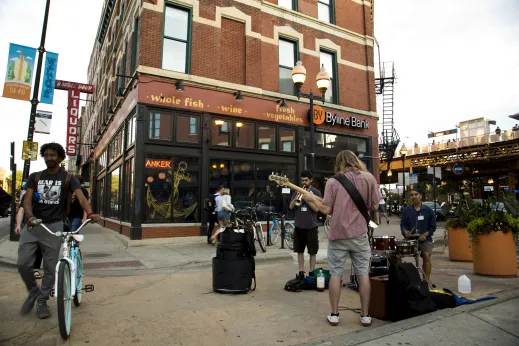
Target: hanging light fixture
{"x": 491, "y": 181}
{"x": 389, "y": 173}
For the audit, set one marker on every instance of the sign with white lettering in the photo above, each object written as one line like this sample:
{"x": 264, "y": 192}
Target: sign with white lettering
{"x": 320, "y": 116}
{"x": 84, "y": 88}
{"x": 72, "y": 122}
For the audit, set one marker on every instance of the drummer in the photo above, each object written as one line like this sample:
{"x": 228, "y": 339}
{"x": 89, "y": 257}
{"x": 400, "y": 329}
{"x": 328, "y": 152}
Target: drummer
{"x": 419, "y": 222}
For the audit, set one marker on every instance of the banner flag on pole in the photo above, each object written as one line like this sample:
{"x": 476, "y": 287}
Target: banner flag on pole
{"x": 20, "y": 70}
{"x": 49, "y": 78}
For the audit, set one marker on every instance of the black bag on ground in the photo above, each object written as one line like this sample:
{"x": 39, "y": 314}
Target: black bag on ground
{"x": 443, "y": 300}
{"x": 296, "y": 285}
{"x": 409, "y": 294}
{"x": 234, "y": 276}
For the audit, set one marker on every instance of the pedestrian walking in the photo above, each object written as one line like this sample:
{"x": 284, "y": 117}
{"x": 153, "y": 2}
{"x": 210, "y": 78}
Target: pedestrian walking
{"x": 50, "y": 190}
{"x": 211, "y": 207}
{"x": 225, "y": 208}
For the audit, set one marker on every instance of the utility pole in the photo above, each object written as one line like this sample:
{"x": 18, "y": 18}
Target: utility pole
{"x": 35, "y": 101}
{"x": 13, "y": 236}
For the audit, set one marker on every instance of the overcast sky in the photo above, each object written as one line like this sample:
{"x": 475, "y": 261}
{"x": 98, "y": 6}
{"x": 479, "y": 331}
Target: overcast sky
{"x": 455, "y": 60}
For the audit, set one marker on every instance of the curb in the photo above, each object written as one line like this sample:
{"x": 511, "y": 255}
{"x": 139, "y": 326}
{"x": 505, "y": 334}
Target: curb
{"x": 370, "y": 334}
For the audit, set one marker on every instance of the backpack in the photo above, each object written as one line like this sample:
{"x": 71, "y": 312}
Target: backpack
{"x": 410, "y": 295}
{"x": 210, "y": 203}
{"x": 66, "y": 191}
{"x": 296, "y": 285}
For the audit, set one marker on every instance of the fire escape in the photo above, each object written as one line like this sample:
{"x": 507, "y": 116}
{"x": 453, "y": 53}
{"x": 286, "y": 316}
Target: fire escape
{"x": 384, "y": 85}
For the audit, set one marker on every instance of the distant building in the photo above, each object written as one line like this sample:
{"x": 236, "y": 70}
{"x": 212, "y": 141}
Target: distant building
{"x": 5, "y": 176}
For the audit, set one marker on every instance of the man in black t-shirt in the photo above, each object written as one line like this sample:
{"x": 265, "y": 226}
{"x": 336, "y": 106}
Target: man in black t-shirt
{"x": 48, "y": 189}
{"x": 75, "y": 215}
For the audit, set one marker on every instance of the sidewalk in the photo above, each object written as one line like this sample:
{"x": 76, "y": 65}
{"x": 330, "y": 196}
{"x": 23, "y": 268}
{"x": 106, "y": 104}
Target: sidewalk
{"x": 492, "y": 322}
{"x": 104, "y": 249}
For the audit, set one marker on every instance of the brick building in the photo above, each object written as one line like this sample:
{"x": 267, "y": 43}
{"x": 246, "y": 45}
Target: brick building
{"x": 191, "y": 94}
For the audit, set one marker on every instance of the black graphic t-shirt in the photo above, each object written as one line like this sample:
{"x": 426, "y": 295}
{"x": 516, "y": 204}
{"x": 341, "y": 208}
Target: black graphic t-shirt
{"x": 50, "y": 206}
{"x": 75, "y": 208}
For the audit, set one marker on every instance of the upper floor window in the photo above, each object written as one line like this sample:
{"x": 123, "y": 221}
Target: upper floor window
{"x": 175, "y": 47}
{"x": 325, "y": 11}
{"x": 287, "y": 61}
{"x": 290, "y": 4}
{"x": 329, "y": 61}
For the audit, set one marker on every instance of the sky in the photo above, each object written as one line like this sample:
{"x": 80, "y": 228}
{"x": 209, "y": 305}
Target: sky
{"x": 71, "y": 33}
{"x": 455, "y": 60}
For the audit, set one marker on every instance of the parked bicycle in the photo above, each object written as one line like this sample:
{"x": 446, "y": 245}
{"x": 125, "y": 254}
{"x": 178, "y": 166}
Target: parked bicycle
{"x": 275, "y": 230}
{"x": 248, "y": 217}
{"x": 69, "y": 278}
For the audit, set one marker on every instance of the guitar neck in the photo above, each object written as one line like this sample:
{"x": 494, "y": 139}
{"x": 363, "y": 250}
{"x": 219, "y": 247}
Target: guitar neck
{"x": 299, "y": 189}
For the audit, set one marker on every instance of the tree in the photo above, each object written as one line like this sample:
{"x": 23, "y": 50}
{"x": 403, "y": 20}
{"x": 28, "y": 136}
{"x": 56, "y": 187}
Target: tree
{"x": 19, "y": 175}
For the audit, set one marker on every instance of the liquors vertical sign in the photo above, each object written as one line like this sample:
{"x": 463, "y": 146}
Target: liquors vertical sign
{"x": 72, "y": 121}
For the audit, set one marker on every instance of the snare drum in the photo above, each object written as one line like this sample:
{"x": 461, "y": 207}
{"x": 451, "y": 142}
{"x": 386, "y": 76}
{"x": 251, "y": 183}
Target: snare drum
{"x": 384, "y": 243}
{"x": 406, "y": 247}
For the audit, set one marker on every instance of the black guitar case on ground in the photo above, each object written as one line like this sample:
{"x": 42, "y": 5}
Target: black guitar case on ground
{"x": 234, "y": 265}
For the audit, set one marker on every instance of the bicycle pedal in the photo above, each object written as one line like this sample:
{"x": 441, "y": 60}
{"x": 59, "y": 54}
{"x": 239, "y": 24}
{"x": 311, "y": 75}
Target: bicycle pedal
{"x": 52, "y": 293}
{"x": 89, "y": 288}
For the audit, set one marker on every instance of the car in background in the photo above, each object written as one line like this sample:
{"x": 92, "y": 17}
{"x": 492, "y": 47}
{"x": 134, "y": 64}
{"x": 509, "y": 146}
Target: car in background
{"x": 439, "y": 212}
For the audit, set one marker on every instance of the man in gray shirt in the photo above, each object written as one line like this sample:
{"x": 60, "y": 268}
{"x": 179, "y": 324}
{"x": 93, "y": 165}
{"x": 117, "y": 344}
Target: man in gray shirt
{"x": 305, "y": 234}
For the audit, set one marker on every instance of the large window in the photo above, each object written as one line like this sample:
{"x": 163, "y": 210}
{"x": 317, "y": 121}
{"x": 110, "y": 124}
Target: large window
{"x": 135, "y": 40}
{"x": 101, "y": 194}
{"x": 171, "y": 188}
{"x": 160, "y": 126}
{"x": 325, "y": 11}
{"x": 187, "y": 129}
{"x": 329, "y": 61}
{"x": 266, "y": 137}
{"x": 129, "y": 189}
{"x": 115, "y": 188}
{"x": 102, "y": 162}
{"x": 245, "y": 135}
{"x": 130, "y": 139}
{"x": 287, "y": 140}
{"x": 175, "y": 47}
{"x": 341, "y": 142}
{"x": 290, "y": 4}
{"x": 115, "y": 148}
{"x": 287, "y": 60}
{"x": 220, "y": 134}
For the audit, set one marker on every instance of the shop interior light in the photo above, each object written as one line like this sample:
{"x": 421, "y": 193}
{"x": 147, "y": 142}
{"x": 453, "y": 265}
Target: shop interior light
{"x": 218, "y": 122}
{"x": 222, "y": 165}
{"x": 389, "y": 173}
{"x": 490, "y": 181}
{"x": 214, "y": 165}
{"x": 239, "y": 124}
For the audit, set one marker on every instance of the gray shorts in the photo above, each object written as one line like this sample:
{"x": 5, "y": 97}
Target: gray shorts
{"x": 357, "y": 249}
{"x": 425, "y": 246}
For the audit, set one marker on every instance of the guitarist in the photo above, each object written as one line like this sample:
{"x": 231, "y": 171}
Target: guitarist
{"x": 305, "y": 234}
{"x": 348, "y": 232}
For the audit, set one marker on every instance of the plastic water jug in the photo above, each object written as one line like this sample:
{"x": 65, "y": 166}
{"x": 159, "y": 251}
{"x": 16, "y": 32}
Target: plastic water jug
{"x": 320, "y": 281}
{"x": 464, "y": 285}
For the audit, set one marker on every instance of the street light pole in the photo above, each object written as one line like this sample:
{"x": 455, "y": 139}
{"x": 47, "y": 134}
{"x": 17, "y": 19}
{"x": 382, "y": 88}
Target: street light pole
{"x": 35, "y": 101}
{"x": 323, "y": 82}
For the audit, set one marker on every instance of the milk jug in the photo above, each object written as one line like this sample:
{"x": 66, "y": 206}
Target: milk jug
{"x": 464, "y": 285}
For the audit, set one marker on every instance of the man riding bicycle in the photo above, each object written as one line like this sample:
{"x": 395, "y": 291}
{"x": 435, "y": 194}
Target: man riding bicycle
{"x": 46, "y": 200}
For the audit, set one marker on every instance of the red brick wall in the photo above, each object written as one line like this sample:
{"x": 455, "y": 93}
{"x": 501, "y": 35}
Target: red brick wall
{"x": 308, "y": 7}
{"x": 150, "y": 30}
{"x": 112, "y": 225}
{"x": 169, "y": 232}
{"x": 232, "y": 51}
{"x": 126, "y": 231}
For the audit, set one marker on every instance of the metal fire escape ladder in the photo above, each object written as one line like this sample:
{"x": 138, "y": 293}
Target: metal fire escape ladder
{"x": 384, "y": 85}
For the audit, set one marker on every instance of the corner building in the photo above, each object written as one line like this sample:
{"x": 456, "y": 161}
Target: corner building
{"x": 191, "y": 94}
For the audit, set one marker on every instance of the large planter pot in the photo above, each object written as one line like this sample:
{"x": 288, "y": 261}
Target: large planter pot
{"x": 494, "y": 254}
{"x": 459, "y": 245}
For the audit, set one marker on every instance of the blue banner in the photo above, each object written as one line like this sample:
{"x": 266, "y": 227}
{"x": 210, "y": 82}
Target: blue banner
{"x": 20, "y": 70}
{"x": 49, "y": 78}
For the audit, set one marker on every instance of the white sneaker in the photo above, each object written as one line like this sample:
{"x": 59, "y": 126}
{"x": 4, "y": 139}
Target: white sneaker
{"x": 365, "y": 320}
{"x": 333, "y": 320}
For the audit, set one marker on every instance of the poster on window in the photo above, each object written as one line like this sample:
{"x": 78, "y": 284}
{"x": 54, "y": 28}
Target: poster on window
{"x": 171, "y": 189}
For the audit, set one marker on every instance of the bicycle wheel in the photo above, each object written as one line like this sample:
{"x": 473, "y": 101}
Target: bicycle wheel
{"x": 275, "y": 231}
{"x": 289, "y": 235}
{"x": 260, "y": 237}
{"x": 79, "y": 277}
{"x": 64, "y": 306}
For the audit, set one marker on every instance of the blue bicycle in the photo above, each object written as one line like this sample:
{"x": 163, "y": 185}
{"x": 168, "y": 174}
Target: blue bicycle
{"x": 276, "y": 229}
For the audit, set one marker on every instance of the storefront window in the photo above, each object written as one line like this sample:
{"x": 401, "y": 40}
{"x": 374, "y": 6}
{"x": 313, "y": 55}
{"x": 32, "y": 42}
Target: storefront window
{"x": 129, "y": 189}
{"x": 245, "y": 135}
{"x": 115, "y": 148}
{"x": 220, "y": 134}
{"x": 340, "y": 142}
{"x": 102, "y": 162}
{"x": 160, "y": 126}
{"x": 100, "y": 194}
{"x": 130, "y": 139}
{"x": 287, "y": 140}
{"x": 266, "y": 190}
{"x": 266, "y": 137}
{"x": 187, "y": 129}
{"x": 115, "y": 184}
{"x": 171, "y": 188}
{"x": 243, "y": 191}
{"x": 219, "y": 174}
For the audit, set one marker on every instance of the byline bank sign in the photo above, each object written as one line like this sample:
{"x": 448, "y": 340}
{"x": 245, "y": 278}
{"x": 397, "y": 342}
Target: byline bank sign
{"x": 320, "y": 117}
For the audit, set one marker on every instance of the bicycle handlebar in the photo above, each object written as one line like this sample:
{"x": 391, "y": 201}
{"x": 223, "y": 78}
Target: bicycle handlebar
{"x": 57, "y": 234}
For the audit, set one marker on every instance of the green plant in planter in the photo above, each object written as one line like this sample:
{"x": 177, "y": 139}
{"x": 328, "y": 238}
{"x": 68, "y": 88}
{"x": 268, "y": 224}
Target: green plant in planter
{"x": 463, "y": 213}
{"x": 492, "y": 220}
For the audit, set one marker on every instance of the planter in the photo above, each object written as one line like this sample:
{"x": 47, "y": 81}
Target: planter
{"x": 494, "y": 254}
{"x": 459, "y": 245}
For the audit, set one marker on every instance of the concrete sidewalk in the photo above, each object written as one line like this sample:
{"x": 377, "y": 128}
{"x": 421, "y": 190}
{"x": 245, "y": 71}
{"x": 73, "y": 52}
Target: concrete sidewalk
{"x": 104, "y": 249}
{"x": 492, "y": 322}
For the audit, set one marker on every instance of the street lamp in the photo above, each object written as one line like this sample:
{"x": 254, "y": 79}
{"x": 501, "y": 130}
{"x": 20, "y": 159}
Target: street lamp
{"x": 323, "y": 83}
{"x": 403, "y": 153}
